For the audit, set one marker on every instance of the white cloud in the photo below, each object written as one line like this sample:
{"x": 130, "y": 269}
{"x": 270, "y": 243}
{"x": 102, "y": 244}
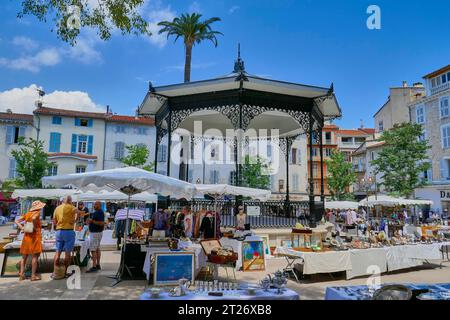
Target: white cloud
{"x": 195, "y": 7}
{"x": 233, "y": 9}
{"x": 22, "y": 100}
{"x": 84, "y": 51}
{"x": 25, "y": 43}
{"x": 33, "y": 63}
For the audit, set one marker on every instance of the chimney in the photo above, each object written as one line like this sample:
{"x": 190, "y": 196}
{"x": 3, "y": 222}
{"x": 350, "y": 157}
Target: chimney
{"x": 405, "y": 84}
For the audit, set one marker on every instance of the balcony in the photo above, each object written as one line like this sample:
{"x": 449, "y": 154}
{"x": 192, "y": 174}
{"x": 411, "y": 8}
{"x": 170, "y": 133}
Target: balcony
{"x": 440, "y": 88}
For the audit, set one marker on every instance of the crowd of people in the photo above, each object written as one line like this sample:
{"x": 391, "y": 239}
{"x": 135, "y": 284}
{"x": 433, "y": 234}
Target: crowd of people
{"x": 64, "y": 221}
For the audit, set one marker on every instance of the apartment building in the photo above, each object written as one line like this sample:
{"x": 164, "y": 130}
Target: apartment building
{"x": 433, "y": 113}
{"x": 396, "y": 108}
{"x": 13, "y": 126}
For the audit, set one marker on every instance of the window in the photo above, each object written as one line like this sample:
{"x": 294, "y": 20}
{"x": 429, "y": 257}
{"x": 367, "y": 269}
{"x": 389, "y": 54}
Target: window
{"x": 12, "y": 169}
{"x": 81, "y": 122}
{"x": 445, "y": 136}
{"x": 328, "y": 152}
{"x": 141, "y": 130}
{"x": 427, "y": 176}
{"x": 82, "y": 144}
{"x": 280, "y": 185}
{"x": 214, "y": 176}
{"x": 120, "y": 129}
{"x": 53, "y": 170}
{"x": 295, "y": 182}
{"x": 315, "y": 170}
{"x": 433, "y": 82}
{"x": 380, "y": 126}
{"x": 372, "y": 155}
{"x": 80, "y": 169}
{"x": 232, "y": 178}
{"x": 444, "y": 107}
{"x": 294, "y": 155}
{"x": 119, "y": 150}
{"x": 420, "y": 114}
{"x": 162, "y": 153}
{"x": 444, "y": 166}
{"x": 269, "y": 151}
{"x": 315, "y": 152}
{"x": 55, "y": 142}
{"x": 327, "y": 137}
{"x": 13, "y": 134}
{"x": 444, "y": 78}
{"x": 56, "y": 120}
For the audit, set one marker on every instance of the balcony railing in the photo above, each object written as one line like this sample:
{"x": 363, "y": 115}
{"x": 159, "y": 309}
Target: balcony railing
{"x": 440, "y": 88}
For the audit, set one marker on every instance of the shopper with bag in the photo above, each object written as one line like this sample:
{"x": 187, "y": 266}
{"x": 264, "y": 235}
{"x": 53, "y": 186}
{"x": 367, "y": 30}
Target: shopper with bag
{"x": 30, "y": 224}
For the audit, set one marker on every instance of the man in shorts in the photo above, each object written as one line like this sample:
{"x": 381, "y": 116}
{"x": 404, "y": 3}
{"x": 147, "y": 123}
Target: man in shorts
{"x": 64, "y": 219}
{"x": 96, "y": 225}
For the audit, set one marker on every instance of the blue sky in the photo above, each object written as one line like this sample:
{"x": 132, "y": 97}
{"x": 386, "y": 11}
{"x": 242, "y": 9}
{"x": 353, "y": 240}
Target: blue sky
{"x": 311, "y": 41}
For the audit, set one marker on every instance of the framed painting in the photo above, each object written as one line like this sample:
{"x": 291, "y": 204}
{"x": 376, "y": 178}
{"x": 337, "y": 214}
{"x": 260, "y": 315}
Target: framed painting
{"x": 11, "y": 263}
{"x": 265, "y": 239}
{"x": 253, "y": 255}
{"x": 169, "y": 267}
{"x": 209, "y": 245}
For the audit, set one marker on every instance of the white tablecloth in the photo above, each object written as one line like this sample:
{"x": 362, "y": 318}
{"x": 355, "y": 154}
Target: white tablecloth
{"x": 200, "y": 257}
{"x": 230, "y": 295}
{"x": 355, "y": 262}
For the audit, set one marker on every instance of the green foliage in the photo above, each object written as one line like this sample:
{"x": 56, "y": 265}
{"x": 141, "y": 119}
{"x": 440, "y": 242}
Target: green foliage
{"x": 31, "y": 163}
{"x": 103, "y": 16}
{"x": 193, "y": 31}
{"x": 340, "y": 176}
{"x": 402, "y": 159}
{"x": 255, "y": 173}
{"x": 137, "y": 157}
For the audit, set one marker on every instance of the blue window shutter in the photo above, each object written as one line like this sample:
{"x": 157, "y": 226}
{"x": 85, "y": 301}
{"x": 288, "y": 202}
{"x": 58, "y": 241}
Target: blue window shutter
{"x": 22, "y": 131}
{"x": 12, "y": 168}
{"x": 90, "y": 123}
{"x": 9, "y": 135}
{"x": 51, "y": 144}
{"x": 74, "y": 143}
{"x": 55, "y": 142}
{"x": 77, "y": 122}
{"x": 90, "y": 144}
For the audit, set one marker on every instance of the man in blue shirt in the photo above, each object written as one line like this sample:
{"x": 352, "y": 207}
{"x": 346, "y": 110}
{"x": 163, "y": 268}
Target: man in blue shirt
{"x": 96, "y": 224}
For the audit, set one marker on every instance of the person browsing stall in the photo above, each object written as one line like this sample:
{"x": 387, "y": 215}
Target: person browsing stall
{"x": 83, "y": 211}
{"x": 96, "y": 225}
{"x": 64, "y": 219}
{"x": 32, "y": 239}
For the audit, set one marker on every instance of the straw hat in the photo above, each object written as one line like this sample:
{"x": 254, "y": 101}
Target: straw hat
{"x": 37, "y": 205}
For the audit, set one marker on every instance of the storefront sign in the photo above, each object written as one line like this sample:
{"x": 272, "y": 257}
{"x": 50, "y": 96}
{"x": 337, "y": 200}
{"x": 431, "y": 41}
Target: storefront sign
{"x": 253, "y": 211}
{"x": 445, "y": 195}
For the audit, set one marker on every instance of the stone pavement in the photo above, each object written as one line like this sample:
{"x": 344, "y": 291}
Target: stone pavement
{"x": 97, "y": 285}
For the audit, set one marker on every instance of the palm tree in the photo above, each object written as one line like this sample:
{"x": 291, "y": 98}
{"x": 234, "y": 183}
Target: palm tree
{"x": 193, "y": 31}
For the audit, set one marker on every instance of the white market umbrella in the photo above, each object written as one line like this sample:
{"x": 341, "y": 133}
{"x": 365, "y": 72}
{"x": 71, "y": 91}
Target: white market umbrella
{"x": 225, "y": 189}
{"x": 129, "y": 180}
{"x": 116, "y": 195}
{"x": 341, "y": 205}
{"x": 388, "y": 201}
{"x": 119, "y": 178}
{"x": 42, "y": 193}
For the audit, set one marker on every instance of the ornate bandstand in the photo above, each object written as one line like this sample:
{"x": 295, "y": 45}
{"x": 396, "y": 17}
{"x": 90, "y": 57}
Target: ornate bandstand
{"x": 240, "y": 101}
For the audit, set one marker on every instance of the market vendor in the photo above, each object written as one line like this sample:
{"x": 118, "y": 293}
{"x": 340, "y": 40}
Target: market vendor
{"x": 96, "y": 225}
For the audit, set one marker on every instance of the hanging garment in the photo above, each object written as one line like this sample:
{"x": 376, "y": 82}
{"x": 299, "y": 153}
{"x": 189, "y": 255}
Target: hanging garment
{"x": 207, "y": 227}
{"x": 199, "y": 218}
{"x": 188, "y": 225}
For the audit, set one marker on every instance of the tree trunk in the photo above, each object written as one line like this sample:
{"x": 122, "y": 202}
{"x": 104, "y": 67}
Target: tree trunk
{"x": 187, "y": 63}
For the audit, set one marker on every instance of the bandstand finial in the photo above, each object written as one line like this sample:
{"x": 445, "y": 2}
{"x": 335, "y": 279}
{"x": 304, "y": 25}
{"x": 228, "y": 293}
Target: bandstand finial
{"x": 239, "y": 63}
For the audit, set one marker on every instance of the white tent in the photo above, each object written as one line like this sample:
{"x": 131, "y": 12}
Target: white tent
{"x": 119, "y": 178}
{"x": 341, "y": 205}
{"x": 225, "y": 189}
{"x": 116, "y": 195}
{"x": 388, "y": 201}
{"x": 42, "y": 193}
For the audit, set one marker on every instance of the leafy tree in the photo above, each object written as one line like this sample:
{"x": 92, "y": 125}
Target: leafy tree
{"x": 69, "y": 16}
{"x": 137, "y": 157}
{"x": 255, "y": 173}
{"x": 340, "y": 175}
{"x": 31, "y": 163}
{"x": 402, "y": 159}
{"x": 193, "y": 31}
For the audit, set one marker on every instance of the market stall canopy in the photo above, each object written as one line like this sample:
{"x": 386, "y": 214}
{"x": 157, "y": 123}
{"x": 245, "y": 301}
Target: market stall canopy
{"x": 105, "y": 195}
{"x": 42, "y": 193}
{"x": 388, "y": 201}
{"x": 341, "y": 205}
{"x": 225, "y": 189}
{"x": 128, "y": 177}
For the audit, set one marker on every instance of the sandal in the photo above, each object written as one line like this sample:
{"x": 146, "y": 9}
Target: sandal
{"x": 36, "y": 278}
{"x": 22, "y": 277}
